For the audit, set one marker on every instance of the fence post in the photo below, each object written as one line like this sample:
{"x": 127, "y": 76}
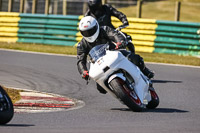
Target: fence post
{"x": 55, "y": 7}
{"x": 47, "y": 7}
{"x": 10, "y": 2}
{"x": 104, "y": 1}
{"x": 177, "y": 11}
{"x": 34, "y": 6}
{"x": 0, "y": 4}
{"x": 84, "y": 7}
{"x": 21, "y": 9}
{"x": 64, "y": 7}
{"x": 139, "y": 8}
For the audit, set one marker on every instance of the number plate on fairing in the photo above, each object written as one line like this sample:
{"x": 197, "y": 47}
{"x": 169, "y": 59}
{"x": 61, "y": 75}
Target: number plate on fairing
{"x": 100, "y": 61}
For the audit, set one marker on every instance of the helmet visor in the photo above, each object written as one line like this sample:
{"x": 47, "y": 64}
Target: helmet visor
{"x": 90, "y": 32}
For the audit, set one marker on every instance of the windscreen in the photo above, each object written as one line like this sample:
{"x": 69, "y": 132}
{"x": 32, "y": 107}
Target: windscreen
{"x": 97, "y": 52}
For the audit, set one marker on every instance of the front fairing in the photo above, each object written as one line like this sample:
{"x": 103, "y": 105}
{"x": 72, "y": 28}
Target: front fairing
{"x": 97, "y": 52}
{"x": 100, "y": 60}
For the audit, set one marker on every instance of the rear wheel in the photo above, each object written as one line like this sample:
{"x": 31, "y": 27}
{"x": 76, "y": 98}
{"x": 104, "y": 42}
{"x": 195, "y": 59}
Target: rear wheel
{"x": 154, "y": 100}
{"x": 6, "y": 107}
{"x": 127, "y": 96}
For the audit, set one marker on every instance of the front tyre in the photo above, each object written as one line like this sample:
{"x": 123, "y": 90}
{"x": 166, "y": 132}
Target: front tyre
{"x": 154, "y": 100}
{"x": 6, "y": 107}
{"x": 127, "y": 96}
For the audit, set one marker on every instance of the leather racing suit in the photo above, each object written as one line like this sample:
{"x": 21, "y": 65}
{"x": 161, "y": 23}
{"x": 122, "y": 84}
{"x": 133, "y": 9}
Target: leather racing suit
{"x": 103, "y": 16}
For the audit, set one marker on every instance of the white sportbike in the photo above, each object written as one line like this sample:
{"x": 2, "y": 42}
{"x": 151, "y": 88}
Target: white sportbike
{"x": 124, "y": 80}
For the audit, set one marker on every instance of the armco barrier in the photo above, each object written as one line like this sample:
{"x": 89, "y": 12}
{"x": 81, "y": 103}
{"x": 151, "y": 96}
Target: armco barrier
{"x": 149, "y": 35}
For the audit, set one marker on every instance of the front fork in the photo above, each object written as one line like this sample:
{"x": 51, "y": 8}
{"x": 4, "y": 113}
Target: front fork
{"x": 151, "y": 88}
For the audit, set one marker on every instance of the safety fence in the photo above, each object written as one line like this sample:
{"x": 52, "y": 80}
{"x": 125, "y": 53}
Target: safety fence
{"x": 36, "y": 28}
{"x": 148, "y": 35}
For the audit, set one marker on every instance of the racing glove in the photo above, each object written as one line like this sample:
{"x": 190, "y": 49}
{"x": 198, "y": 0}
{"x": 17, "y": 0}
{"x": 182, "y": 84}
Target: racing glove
{"x": 85, "y": 75}
{"x": 120, "y": 45}
{"x": 125, "y": 22}
{"x": 124, "y": 25}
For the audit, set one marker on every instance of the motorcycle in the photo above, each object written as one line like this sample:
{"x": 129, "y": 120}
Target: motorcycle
{"x": 6, "y": 107}
{"x": 121, "y": 78}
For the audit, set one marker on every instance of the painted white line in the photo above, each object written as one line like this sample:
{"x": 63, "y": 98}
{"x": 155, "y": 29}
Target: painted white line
{"x": 31, "y": 52}
{"x": 35, "y": 94}
{"x": 178, "y": 65}
{"x": 173, "y": 65}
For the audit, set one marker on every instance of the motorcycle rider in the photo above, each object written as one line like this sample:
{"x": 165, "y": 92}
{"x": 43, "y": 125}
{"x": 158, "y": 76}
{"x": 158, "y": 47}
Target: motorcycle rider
{"x": 94, "y": 35}
{"x": 103, "y": 13}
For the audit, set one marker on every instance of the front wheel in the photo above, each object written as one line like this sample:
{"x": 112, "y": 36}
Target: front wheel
{"x": 6, "y": 107}
{"x": 127, "y": 96}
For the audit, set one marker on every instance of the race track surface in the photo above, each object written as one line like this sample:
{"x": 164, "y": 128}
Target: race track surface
{"x": 178, "y": 89}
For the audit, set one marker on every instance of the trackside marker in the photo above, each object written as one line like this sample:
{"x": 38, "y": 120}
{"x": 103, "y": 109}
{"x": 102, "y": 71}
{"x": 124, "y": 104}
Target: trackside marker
{"x": 45, "y": 98}
{"x": 34, "y": 102}
{"x": 48, "y": 105}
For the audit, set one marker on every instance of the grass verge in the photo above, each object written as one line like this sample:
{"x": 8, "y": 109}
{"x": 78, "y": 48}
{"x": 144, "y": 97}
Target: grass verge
{"x": 13, "y": 94}
{"x": 165, "y": 10}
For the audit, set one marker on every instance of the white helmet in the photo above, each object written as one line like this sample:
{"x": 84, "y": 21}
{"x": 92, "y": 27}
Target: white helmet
{"x": 89, "y": 28}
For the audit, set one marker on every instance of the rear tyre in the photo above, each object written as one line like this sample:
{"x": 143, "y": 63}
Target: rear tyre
{"x": 154, "y": 100}
{"x": 6, "y": 107}
{"x": 124, "y": 94}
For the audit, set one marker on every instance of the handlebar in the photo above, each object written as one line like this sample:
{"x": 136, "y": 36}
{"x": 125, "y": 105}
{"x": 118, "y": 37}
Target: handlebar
{"x": 121, "y": 27}
{"x": 119, "y": 30}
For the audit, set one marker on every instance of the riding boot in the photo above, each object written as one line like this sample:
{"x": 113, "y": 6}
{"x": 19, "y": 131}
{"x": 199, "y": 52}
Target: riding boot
{"x": 131, "y": 47}
{"x": 146, "y": 71}
{"x": 100, "y": 89}
{"x": 138, "y": 61}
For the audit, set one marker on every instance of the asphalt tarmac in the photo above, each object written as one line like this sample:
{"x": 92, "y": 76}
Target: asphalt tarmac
{"x": 177, "y": 86}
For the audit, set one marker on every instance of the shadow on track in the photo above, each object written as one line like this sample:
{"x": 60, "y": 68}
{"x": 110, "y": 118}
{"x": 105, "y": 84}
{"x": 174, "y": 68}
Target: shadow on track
{"x": 17, "y": 125}
{"x": 165, "y": 81}
{"x": 166, "y": 110}
{"x": 157, "y": 110}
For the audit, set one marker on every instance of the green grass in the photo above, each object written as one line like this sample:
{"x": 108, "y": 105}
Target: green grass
{"x": 170, "y": 58}
{"x": 165, "y": 10}
{"x": 40, "y": 48}
{"x": 149, "y": 57}
{"x": 13, "y": 94}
